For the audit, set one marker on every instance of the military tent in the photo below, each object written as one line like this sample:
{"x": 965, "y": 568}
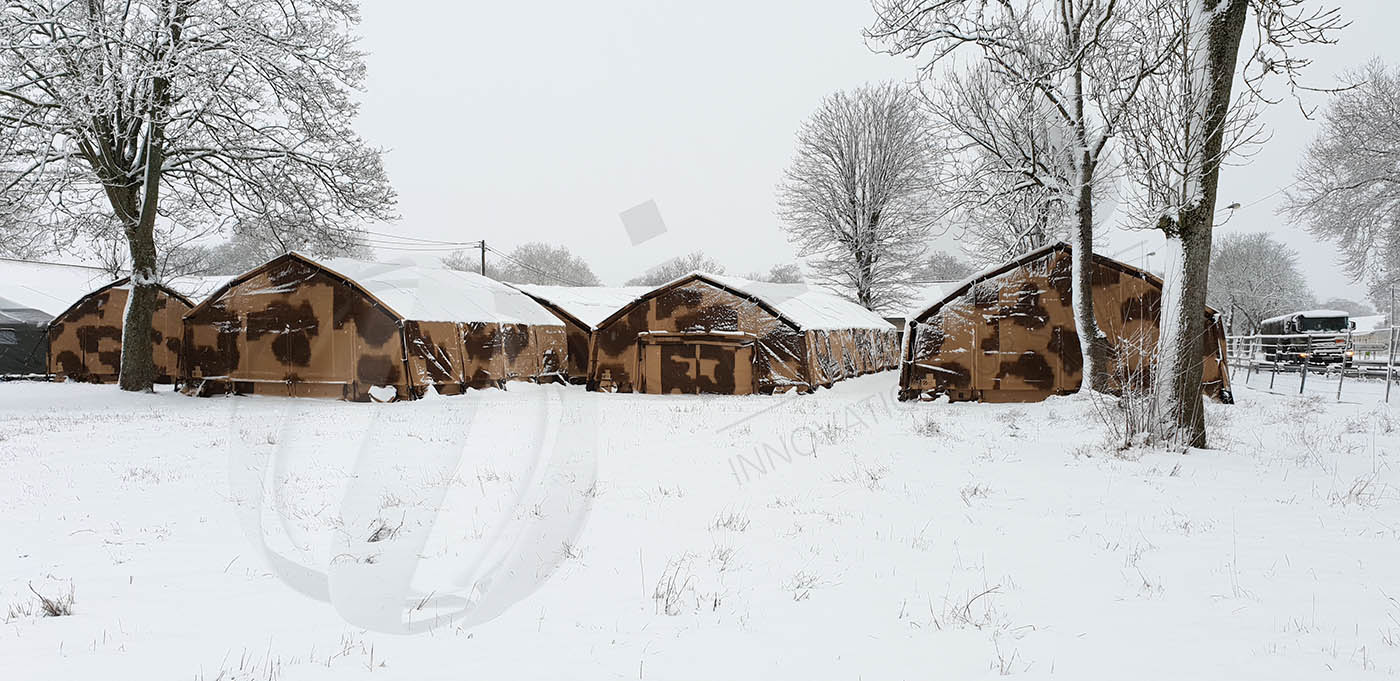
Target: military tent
{"x": 580, "y": 309}
{"x": 362, "y": 330}
{"x": 85, "y": 340}
{"x": 705, "y": 333}
{"x": 1008, "y": 334}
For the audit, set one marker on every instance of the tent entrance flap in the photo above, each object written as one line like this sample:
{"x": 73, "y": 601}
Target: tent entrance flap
{"x": 696, "y": 363}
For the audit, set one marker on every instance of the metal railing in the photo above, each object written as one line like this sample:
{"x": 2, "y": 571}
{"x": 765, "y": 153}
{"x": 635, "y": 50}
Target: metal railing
{"x": 1320, "y": 354}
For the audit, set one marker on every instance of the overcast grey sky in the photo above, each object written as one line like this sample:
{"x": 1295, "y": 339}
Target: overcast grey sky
{"x": 542, "y": 121}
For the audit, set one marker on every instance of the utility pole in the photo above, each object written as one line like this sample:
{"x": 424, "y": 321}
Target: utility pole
{"x": 1390, "y": 356}
{"x": 483, "y": 257}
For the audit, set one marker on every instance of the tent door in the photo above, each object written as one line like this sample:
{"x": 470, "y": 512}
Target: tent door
{"x": 682, "y": 366}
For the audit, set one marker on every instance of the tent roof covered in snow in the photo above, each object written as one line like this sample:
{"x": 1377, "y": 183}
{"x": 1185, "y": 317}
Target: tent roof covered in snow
{"x": 48, "y": 287}
{"x": 345, "y": 328}
{"x": 928, "y": 294}
{"x": 808, "y": 307}
{"x": 805, "y": 307}
{"x": 12, "y": 312}
{"x": 440, "y": 294}
{"x": 424, "y": 293}
{"x": 588, "y": 305}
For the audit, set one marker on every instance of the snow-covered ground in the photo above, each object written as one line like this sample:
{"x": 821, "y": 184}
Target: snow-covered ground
{"x": 841, "y": 535}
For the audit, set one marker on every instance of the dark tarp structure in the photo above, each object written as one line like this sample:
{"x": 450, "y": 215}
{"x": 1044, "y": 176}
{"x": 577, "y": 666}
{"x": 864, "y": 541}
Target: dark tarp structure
{"x": 24, "y": 340}
{"x": 361, "y": 330}
{"x": 581, "y": 309}
{"x": 1008, "y": 334}
{"x": 85, "y": 341}
{"x": 705, "y": 333}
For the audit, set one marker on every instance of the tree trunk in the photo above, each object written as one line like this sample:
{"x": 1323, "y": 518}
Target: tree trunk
{"x": 1183, "y": 317}
{"x": 1092, "y": 344}
{"x": 138, "y": 371}
{"x": 142, "y": 201}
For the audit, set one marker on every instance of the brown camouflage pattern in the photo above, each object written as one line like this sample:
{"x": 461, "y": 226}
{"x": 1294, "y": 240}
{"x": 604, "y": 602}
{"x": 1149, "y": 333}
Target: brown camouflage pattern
{"x": 294, "y": 328}
{"x": 85, "y": 341}
{"x": 1010, "y": 336}
{"x": 577, "y": 338}
{"x": 698, "y": 336}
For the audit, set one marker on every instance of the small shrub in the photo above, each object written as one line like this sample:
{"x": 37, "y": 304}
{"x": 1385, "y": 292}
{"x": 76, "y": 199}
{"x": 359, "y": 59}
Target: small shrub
{"x": 58, "y": 606}
{"x": 722, "y": 556}
{"x": 674, "y": 583}
{"x": 732, "y": 521}
{"x": 802, "y": 585}
{"x": 974, "y": 490}
{"x": 19, "y": 610}
{"x": 381, "y": 530}
{"x": 1363, "y": 492}
{"x": 928, "y": 427}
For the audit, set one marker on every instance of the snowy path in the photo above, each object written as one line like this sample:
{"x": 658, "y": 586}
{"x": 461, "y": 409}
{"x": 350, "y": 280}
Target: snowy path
{"x": 840, "y": 535}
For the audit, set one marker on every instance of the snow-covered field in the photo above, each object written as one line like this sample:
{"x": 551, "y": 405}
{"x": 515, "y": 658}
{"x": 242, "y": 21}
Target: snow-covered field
{"x": 836, "y": 536}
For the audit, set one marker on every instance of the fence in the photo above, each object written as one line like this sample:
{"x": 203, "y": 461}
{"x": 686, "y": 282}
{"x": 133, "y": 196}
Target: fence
{"x": 1322, "y": 355}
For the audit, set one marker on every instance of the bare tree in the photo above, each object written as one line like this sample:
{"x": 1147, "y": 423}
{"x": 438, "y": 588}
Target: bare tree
{"x": 1185, "y": 125}
{"x": 1084, "y": 59}
{"x": 530, "y": 263}
{"x": 1348, "y": 184}
{"x": 1011, "y": 181}
{"x": 943, "y": 266}
{"x": 190, "y": 113}
{"x": 858, "y": 199}
{"x": 1254, "y": 277}
{"x": 677, "y": 267}
{"x": 788, "y": 273}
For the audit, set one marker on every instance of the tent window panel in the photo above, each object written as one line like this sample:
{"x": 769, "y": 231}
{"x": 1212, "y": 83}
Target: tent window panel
{"x": 8, "y": 337}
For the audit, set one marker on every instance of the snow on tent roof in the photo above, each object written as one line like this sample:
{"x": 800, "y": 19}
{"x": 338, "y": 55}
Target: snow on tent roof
{"x": 48, "y": 287}
{"x": 12, "y": 312}
{"x": 589, "y": 304}
{"x": 192, "y": 287}
{"x": 928, "y": 294}
{"x": 428, "y": 294}
{"x": 808, "y": 307}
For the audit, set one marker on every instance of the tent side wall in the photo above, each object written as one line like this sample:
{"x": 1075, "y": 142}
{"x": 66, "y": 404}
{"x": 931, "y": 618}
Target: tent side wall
{"x": 85, "y": 341}
{"x": 453, "y": 356}
{"x": 1011, "y": 336}
{"x": 24, "y": 348}
{"x": 847, "y": 353}
{"x": 291, "y": 328}
{"x": 578, "y": 337}
{"x": 694, "y": 306}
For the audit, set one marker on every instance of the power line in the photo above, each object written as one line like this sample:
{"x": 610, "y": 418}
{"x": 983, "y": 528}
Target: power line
{"x": 534, "y": 269}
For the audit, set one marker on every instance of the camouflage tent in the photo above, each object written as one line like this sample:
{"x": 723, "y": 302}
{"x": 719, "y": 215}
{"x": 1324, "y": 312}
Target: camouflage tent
{"x": 361, "y": 330}
{"x": 705, "y": 333}
{"x": 85, "y": 341}
{"x": 580, "y": 309}
{"x": 1008, "y": 334}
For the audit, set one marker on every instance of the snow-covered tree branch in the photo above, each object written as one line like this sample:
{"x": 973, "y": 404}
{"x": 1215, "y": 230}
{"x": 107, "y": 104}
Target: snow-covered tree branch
{"x": 1082, "y": 60}
{"x": 858, "y": 199}
{"x": 184, "y": 114}
{"x": 1348, "y": 188}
